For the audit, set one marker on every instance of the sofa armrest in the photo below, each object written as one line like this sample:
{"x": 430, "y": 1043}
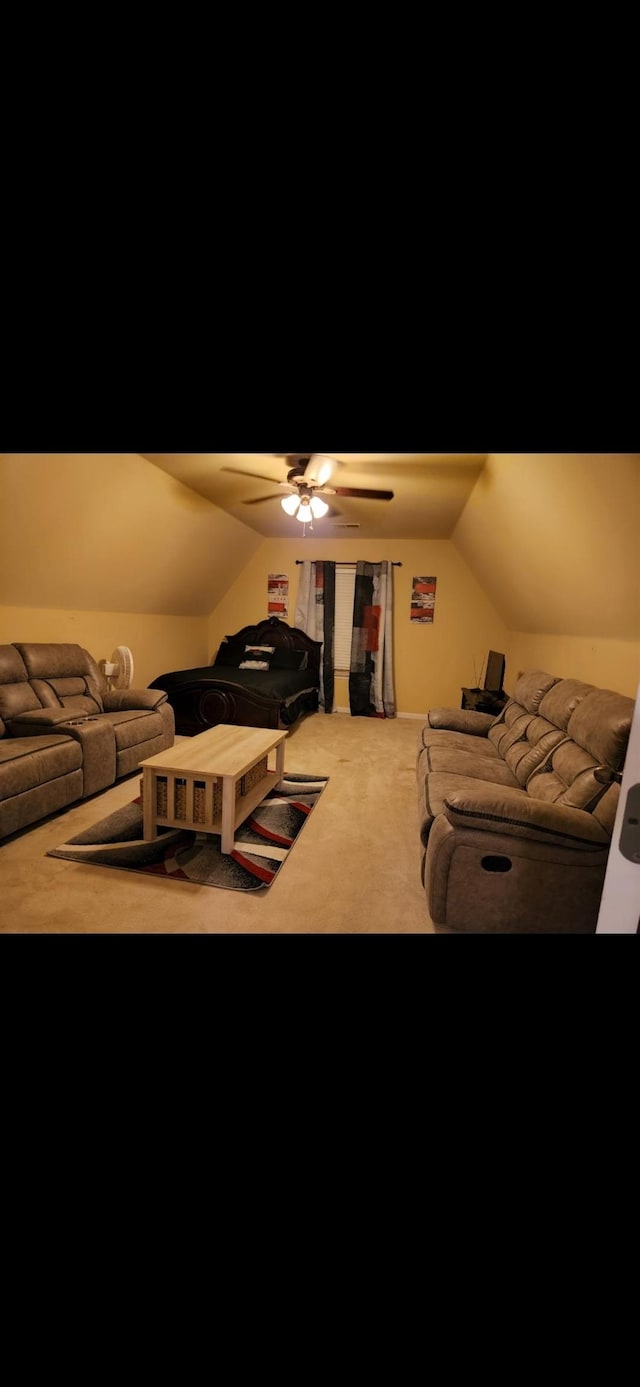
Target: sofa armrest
{"x": 123, "y": 700}
{"x": 500, "y": 809}
{"x": 461, "y": 720}
{"x": 35, "y": 721}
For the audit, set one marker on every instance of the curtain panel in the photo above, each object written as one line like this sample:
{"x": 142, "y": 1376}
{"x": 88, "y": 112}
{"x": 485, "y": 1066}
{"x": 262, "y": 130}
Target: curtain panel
{"x": 315, "y": 614}
{"x": 371, "y": 693}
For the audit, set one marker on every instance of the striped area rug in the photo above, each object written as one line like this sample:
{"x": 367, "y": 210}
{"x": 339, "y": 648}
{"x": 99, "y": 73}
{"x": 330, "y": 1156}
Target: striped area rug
{"x": 261, "y": 846}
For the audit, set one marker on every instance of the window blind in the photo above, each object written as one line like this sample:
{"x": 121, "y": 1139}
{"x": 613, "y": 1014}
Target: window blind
{"x": 345, "y": 593}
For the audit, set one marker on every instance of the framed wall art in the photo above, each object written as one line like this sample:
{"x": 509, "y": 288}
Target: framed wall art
{"x": 278, "y": 595}
{"x": 423, "y": 601}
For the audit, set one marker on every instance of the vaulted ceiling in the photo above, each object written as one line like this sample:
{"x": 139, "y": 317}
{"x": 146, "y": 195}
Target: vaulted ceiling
{"x": 551, "y": 538}
{"x": 109, "y": 532}
{"x": 430, "y": 491}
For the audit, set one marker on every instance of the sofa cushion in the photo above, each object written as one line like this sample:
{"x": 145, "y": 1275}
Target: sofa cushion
{"x": 71, "y": 694}
{"x": 601, "y": 724}
{"x": 562, "y": 700}
{"x": 132, "y": 727}
{"x": 460, "y": 720}
{"x": 567, "y": 778}
{"x": 16, "y": 695}
{"x": 602, "y": 721}
{"x": 531, "y": 688}
{"x": 452, "y": 762}
{"x": 530, "y": 752}
{"x": 12, "y": 666}
{"x": 461, "y": 741}
{"x": 28, "y": 762}
{"x": 62, "y": 675}
{"x": 140, "y": 734}
{"x": 16, "y": 698}
{"x": 509, "y": 727}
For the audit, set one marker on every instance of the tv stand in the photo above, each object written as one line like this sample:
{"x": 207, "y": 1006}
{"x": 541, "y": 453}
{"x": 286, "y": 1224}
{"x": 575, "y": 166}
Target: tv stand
{"x": 482, "y": 701}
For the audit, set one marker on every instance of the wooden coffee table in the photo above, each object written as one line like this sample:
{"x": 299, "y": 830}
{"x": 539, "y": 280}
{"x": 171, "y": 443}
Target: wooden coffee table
{"x": 211, "y": 782}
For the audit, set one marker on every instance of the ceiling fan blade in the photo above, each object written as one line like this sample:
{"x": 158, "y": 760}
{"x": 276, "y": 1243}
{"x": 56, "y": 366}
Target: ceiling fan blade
{"x": 257, "y": 475}
{"x": 292, "y": 457}
{"x": 363, "y": 491}
{"x": 318, "y": 470}
{"x": 257, "y": 500}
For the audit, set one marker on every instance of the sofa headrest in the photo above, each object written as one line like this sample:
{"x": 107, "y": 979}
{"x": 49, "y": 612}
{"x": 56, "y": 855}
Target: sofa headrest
{"x": 601, "y": 725}
{"x": 48, "y": 660}
{"x": 12, "y": 666}
{"x": 63, "y": 675}
{"x": 531, "y": 688}
{"x": 562, "y": 700}
{"x": 16, "y": 694}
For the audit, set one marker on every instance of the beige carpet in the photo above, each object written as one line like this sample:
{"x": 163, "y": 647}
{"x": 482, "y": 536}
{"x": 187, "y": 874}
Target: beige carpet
{"x": 354, "y": 870}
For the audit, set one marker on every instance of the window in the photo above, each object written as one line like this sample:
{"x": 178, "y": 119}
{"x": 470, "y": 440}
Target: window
{"x": 345, "y": 594}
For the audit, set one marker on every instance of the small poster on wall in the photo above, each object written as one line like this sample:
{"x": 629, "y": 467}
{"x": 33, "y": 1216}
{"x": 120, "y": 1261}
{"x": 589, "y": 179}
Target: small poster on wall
{"x": 423, "y": 600}
{"x": 278, "y": 595}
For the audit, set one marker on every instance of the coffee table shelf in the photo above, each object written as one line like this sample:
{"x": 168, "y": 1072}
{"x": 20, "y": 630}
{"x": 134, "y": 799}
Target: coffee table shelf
{"x": 243, "y": 806}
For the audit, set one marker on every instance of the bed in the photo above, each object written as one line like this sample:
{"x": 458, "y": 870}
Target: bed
{"x": 278, "y": 684}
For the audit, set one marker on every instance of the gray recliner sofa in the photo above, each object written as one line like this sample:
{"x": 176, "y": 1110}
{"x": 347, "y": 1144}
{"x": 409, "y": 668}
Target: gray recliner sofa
{"x": 63, "y": 734}
{"x": 517, "y": 811}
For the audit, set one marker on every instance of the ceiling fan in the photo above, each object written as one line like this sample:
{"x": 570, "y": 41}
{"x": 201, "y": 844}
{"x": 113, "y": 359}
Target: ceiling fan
{"x": 306, "y": 484}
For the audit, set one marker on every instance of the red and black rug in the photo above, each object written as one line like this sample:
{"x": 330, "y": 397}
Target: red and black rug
{"x": 262, "y": 843}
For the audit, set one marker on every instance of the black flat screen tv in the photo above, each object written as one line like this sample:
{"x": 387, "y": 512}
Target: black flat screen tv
{"x": 494, "y": 675}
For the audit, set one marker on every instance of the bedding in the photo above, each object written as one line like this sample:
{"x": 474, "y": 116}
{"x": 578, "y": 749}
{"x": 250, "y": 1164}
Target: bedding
{"x": 266, "y": 675}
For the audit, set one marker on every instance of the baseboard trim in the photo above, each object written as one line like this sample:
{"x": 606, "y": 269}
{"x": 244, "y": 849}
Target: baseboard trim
{"x": 422, "y": 717}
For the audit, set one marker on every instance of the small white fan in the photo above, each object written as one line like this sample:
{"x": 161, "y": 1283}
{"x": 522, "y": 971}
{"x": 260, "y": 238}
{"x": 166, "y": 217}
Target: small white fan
{"x": 119, "y": 669}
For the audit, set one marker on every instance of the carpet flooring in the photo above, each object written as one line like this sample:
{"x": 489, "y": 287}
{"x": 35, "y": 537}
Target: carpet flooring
{"x": 355, "y": 871}
{"x": 261, "y": 845}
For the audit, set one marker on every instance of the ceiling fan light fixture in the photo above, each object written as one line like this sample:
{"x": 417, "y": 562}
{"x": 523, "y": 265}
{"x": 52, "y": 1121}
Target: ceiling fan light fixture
{"x": 318, "y": 507}
{"x": 304, "y": 512}
{"x": 290, "y": 504}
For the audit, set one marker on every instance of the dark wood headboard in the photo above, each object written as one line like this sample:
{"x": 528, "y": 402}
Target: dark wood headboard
{"x": 273, "y": 631}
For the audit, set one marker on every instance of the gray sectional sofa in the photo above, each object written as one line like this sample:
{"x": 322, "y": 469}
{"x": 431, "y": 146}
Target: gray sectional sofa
{"x": 517, "y": 811}
{"x": 63, "y": 734}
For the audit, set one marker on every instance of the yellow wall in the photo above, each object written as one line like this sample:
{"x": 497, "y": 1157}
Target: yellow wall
{"x": 607, "y": 664}
{"x": 158, "y": 643}
{"x": 431, "y": 662}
